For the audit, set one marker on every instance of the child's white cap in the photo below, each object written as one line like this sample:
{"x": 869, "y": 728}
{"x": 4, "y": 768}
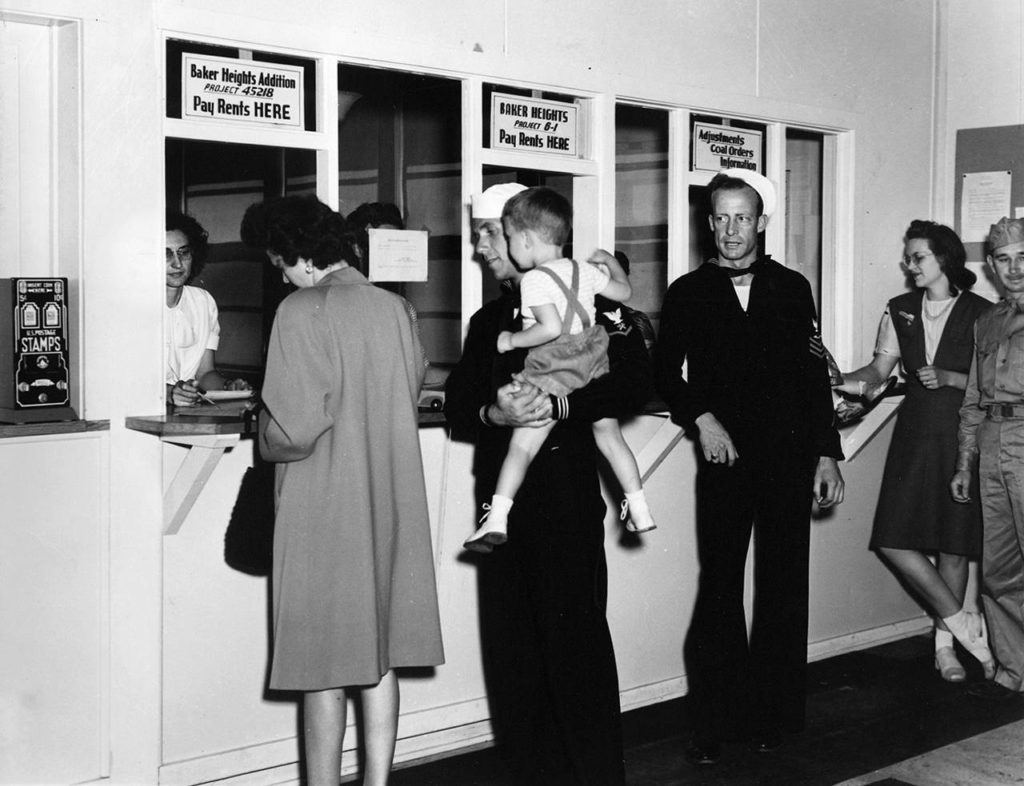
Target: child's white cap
{"x": 492, "y": 201}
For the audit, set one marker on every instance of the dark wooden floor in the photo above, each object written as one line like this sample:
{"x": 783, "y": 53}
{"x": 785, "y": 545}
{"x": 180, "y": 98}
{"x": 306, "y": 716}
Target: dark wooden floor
{"x": 866, "y": 710}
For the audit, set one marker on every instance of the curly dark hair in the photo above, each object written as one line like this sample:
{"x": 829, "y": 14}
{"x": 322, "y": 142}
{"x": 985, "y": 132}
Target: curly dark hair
{"x": 948, "y": 250}
{"x": 376, "y": 214}
{"x": 299, "y": 227}
{"x": 198, "y": 238}
{"x": 372, "y": 215}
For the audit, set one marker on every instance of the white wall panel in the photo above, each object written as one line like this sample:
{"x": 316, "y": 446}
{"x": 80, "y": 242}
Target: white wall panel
{"x": 868, "y": 67}
{"x": 53, "y": 609}
{"x": 983, "y": 71}
{"x": 874, "y": 59}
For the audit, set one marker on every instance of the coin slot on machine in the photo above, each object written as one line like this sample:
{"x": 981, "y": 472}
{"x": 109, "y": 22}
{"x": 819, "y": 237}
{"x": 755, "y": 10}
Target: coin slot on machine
{"x": 35, "y": 351}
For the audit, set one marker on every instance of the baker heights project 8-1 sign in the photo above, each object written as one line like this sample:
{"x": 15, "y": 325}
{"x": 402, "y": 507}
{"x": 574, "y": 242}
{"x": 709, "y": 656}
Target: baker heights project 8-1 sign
{"x": 533, "y": 125}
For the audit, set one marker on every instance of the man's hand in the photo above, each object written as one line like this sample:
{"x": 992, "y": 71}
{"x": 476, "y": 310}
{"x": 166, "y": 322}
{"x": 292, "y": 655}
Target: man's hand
{"x": 715, "y": 441}
{"x": 505, "y": 341}
{"x": 520, "y": 404}
{"x": 829, "y": 487}
{"x": 960, "y": 485}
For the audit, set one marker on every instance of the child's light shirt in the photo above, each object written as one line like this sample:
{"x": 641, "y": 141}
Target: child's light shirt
{"x": 537, "y": 288}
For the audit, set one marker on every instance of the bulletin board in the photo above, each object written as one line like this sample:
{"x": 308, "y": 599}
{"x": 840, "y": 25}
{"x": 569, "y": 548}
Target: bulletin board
{"x": 998, "y": 149}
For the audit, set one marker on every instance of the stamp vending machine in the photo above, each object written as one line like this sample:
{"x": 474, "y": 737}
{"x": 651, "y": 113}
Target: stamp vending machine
{"x": 35, "y": 364}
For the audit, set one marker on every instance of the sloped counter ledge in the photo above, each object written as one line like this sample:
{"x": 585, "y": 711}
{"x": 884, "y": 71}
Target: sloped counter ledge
{"x": 856, "y": 437}
{"x": 206, "y": 437}
{"x": 12, "y": 430}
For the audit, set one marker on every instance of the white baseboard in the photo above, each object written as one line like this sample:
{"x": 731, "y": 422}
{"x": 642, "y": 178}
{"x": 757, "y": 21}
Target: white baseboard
{"x": 422, "y": 737}
{"x": 861, "y": 640}
{"x": 273, "y": 763}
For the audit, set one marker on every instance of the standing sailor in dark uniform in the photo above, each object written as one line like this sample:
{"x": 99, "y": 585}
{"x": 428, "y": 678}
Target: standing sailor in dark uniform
{"x": 756, "y": 393}
{"x": 549, "y": 663}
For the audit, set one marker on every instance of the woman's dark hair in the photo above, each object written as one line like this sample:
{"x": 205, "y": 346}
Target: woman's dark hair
{"x": 299, "y": 226}
{"x": 195, "y": 234}
{"x": 372, "y": 215}
{"x": 376, "y": 214}
{"x": 948, "y": 250}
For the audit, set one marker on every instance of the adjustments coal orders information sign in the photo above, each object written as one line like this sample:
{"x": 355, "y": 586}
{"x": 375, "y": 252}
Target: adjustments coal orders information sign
{"x": 724, "y": 147}
{"x": 533, "y": 125}
{"x": 222, "y": 88}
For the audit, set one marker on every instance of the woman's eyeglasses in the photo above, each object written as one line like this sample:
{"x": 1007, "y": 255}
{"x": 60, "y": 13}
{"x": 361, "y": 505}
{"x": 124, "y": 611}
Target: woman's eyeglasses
{"x": 915, "y": 259}
{"x": 184, "y": 254}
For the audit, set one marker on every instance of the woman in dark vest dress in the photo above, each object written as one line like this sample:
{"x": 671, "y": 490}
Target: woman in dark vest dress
{"x": 931, "y": 331}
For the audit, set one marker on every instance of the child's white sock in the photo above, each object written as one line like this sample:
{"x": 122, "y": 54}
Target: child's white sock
{"x": 640, "y": 516}
{"x": 494, "y": 531}
{"x": 501, "y": 504}
{"x": 957, "y": 624}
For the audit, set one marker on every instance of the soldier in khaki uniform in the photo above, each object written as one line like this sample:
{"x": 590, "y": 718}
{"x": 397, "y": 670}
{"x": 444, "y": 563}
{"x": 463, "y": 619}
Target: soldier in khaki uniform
{"x": 992, "y": 429}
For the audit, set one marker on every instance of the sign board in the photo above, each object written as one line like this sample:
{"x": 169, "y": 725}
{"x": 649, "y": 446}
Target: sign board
{"x": 718, "y": 147}
{"x": 34, "y": 350}
{"x": 223, "y": 88}
{"x": 534, "y": 125}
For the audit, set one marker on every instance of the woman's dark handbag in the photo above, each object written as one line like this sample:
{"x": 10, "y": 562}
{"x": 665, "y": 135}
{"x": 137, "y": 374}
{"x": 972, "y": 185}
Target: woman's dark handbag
{"x": 249, "y": 538}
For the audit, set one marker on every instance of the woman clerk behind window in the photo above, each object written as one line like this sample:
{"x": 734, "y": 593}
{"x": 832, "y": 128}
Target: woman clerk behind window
{"x": 191, "y": 327}
{"x": 353, "y": 581}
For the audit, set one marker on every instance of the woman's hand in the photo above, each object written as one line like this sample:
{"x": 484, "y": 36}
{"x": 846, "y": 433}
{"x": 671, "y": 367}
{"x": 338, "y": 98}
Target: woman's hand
{"x": 933, "y": 377}
{"x": 851, "y": 387}
{"x": 185, "y": 393}
{"x": 505, "y": 341}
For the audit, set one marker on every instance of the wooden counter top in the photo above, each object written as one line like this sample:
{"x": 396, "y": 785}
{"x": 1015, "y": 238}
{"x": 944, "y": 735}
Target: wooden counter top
{"x": 190, "y": 425}
{"x": 10, "y": 430}
{"x": 170, "y": 426}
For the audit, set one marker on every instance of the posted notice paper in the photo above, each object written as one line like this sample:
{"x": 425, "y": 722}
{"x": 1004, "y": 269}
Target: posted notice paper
{"x": 398, "y": 255}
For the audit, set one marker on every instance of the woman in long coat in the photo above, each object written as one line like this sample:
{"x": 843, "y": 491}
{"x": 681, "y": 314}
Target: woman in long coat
{"x": 353, "y": 579}
{"x": 931, "y": 332}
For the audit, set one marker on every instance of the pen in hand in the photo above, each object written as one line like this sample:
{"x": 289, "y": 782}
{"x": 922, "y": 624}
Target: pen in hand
{"x": 186, "y": 392}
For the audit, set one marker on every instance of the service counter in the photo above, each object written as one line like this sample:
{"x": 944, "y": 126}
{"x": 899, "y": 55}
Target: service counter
{"x": 201, "y": 629}
{"x": 207, "y": 437}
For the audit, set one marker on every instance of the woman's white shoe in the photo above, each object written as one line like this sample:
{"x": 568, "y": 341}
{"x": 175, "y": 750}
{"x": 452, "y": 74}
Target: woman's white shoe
{"x": 948, "y": 665}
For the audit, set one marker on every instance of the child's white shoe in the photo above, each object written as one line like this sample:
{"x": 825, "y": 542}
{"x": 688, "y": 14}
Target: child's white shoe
{"x": 494, "y": 531}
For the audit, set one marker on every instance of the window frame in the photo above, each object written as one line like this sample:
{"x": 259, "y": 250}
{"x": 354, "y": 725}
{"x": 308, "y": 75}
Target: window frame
{"x": 593, "y": 171}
